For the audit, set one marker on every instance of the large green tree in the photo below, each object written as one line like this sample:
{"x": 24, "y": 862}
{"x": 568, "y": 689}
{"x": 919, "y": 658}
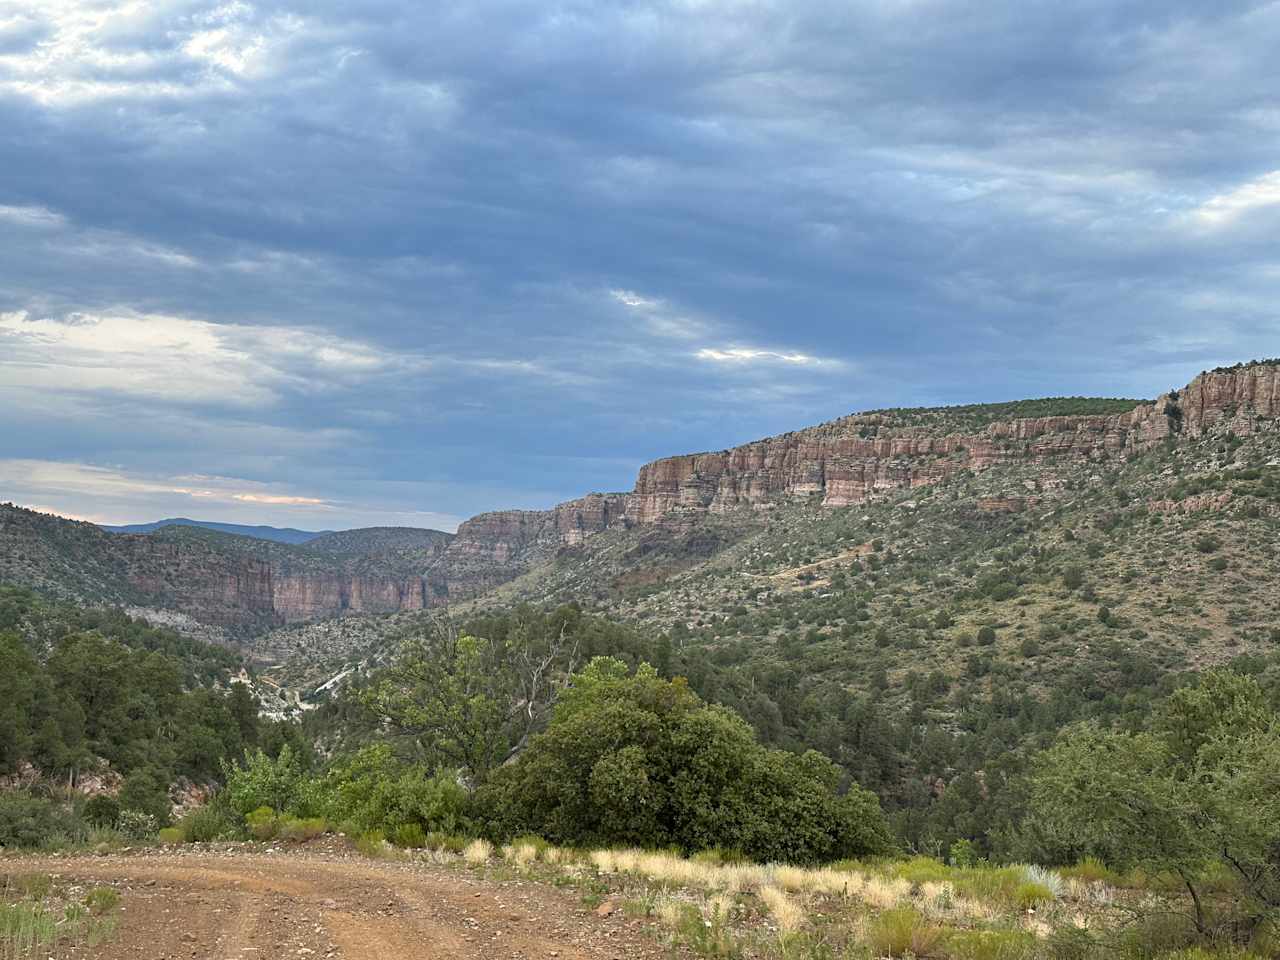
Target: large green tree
{"x": 1195, "y": 794}
{"x": 636, "y": 759}
{"x": 472, "y": 702}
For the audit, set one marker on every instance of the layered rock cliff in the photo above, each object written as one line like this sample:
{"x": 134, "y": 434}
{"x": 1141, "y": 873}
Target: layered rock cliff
{"x": 839, "y": 465}
{"x": 247, "y": 584}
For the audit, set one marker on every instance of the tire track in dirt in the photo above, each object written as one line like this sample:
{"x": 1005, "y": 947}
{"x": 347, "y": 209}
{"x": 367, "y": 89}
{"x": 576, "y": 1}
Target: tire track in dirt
{"x": 202, "y": 905}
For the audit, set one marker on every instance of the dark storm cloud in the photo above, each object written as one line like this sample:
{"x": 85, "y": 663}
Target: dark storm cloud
{"x": 450, "y": 258}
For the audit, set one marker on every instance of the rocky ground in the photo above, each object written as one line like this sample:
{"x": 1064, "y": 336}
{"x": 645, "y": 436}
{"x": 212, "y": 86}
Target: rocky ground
{"x": 231, "y": 902}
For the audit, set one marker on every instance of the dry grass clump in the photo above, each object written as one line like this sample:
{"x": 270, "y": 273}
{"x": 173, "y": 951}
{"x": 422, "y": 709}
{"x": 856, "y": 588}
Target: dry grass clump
{"x": 521, "y": 854}
{"x": 884, "y": 893}
{"x": 670, "y": 911}
{"x": 786, "y": 913}
{"x": 903, "y": 930}
{"x": 477, "y": 851}
{"x": 826, "y": 880}
{"x": 718, "y": 908}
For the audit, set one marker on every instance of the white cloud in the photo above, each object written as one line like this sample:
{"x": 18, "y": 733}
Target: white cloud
{"x": 631, "y": 299}
{"x": 177, "y": 359}
{"x": 32, "y": 216}
{"x": 1227, "y": 207}
{"x": 661, "y": 318}
{"x": 82, "y": 58}
{"x": 55, "y": 479}
{"x": 749, "y": 355}
{"x": 116, "y": 494}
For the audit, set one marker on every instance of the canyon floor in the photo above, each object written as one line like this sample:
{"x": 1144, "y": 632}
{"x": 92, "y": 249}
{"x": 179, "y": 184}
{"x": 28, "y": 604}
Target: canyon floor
{"x": 232, "y": 904}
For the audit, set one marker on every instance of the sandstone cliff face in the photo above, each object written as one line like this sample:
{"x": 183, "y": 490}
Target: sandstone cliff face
{"x": 834, "y": 463}
{"x": 238, "y": 588}
{"x": 840, "y": 463}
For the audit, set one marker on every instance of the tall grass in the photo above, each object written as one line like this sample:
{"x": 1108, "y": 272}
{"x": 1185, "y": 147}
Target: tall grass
{"x": 478, "y": 852}
{"x": 32, "y": 928}
{"x": 786, "y": 913}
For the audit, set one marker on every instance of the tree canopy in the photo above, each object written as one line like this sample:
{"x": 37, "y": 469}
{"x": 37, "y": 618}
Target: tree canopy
{"x": 636, "y": 759}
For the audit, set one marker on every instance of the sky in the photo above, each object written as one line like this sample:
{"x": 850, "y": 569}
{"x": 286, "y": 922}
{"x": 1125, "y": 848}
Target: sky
{"x": 341, "y": 264}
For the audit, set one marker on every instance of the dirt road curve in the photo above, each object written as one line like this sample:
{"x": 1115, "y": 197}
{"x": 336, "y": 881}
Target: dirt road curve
{"x": 254, "y": 906}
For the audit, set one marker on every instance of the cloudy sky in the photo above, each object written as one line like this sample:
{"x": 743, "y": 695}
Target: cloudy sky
{"x": 334, "y": 264}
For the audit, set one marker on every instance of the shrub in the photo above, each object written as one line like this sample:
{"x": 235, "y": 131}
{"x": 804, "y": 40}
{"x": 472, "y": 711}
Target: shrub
{"x": 372, "y": 843}
{"x": 1051, "y": 880}
{"x": 477, "y": 851}
{"x": 100, "y": 900}
{"x": 137, "y": 825}
{"x": 263, "y": 824}
{"x": 34, "y": 886}
{"x": 1070, "y": 942}
{"x": 962, "y": 854}
{"x": 986, "y": 636}
{"x": 1030, "y": 895}
{"x": 261, "y": 781}
{"x": 172, "y": 836}
{"x": 410, "y": 835}
{"x": 102, "y": 810}
{"x": 301, "y": 829}
{"x": 145, "y": 791}
{"x": 903, "y": 930}
{"x": 372, "y": 790}
{"x": 208, "y": 823}
{"x": 989, "y": 945}
{"x": 448, "y": 842}
{"x": 27, "y": 820}
{"x": 1207, "y": 543}
{"x": 1090, "y": 870}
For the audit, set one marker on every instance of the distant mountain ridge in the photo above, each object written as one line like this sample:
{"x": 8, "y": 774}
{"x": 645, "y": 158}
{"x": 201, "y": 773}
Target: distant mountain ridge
{"x": 684, "y": 508}
{"x": 273, "y": 534}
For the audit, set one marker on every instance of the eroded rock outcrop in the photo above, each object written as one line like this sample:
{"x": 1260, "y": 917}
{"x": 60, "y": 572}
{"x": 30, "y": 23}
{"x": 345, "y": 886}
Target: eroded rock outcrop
{"x": 836, "y": 463}
{"x": 248, "y": 584}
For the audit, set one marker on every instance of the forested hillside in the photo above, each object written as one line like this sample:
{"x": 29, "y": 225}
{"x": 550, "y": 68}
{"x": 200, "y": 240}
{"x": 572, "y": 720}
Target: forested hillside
{"x": 94, "y": 695}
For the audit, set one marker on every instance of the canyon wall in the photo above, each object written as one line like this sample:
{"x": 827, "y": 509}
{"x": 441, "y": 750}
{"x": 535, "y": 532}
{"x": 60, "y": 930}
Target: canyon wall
{"x": 247, "y": 585}
{"x": 833, "y": 462}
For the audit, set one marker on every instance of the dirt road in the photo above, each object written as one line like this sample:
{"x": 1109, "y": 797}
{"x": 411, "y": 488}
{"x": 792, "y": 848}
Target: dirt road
{"x": 240, "y": 905}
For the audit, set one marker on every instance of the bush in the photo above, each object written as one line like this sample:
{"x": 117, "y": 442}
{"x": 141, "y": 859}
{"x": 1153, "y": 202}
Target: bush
{"x": 410, "y": 835}
{"x": 100, "y": 900}
{"x": 172, "y": 836}
{"x": 903, "y": 930}
{"x": 263, "y": 824}
{"x": 372, "y": 843}
{"x": 1030, "y": 895}
{"x": 989, "y": 945}
{"x": 301, "y": 829}
{"x": 27, "y": 820}
{"x": 137, "y": 825}
{"x": 145, "y": 791}
{"x": 962, "y": 854}
{"x": 1090, "y": 870}
{"x": 1207, "y": 543}
{"x": 205, "y": 824}
{"x": 102, "y": 810}
{"x": 641, "y": 761}
{"x": 448, "y": 842}
{"x": 374, "y": 791}
{"x": 261, "y": 781}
